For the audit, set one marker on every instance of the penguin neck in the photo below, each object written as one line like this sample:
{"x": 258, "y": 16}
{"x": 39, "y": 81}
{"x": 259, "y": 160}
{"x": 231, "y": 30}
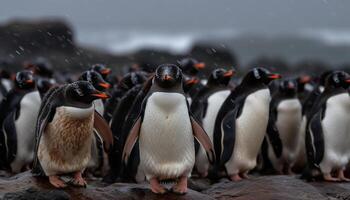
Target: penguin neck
{"x": 176, "y": 89}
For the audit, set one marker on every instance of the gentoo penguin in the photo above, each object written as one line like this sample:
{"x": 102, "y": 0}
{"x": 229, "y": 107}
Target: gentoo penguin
{"x": 42, "y": 68}
{"x": 241, "y": 124}
{"x": 20, "y": 124}
{"x": 217, "y": 82}
{"x": 101, "y": 69}
{"x": 128, "y": 81}
{"x": 192, "y": 67}
{"x": 308, "y": 103}
{"x": 188, "y": 84}
{"x": 205, "y": 108}
{"x": 99, "y": 83}
{"x": 327, "y": 129}
{"x": 64, "y": 132}
{"x": 5, "y": 81}
{"x": 123, "y": 119}
{"x": 165, "y": 114}
{"x": 283, "y": 127}
{"x": 13, "y": 118}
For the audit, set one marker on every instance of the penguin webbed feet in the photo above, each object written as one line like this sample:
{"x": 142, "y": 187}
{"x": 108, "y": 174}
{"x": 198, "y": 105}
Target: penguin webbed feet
{"x": 78, "y": 180}
{"x": 181, "y": 186}
{"x": 57, "y": 182}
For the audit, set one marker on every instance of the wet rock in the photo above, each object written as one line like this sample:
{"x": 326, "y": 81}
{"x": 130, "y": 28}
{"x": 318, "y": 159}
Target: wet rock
{"x": 265, "y": 187}
{"x": 333, "y": 190}
{"x": 25, "y": 186}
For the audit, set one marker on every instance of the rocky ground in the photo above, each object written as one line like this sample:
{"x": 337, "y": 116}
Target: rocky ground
{"x": 24, "y": 186}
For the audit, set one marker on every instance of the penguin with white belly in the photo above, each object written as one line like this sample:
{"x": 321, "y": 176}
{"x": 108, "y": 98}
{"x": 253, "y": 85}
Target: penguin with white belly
{"x": 166, "y": 131}
{"x": 205, "y": 108}
{"x": 283, "y": 127}
{"x": 13, "y": 118}
{"x": 327, "y": 130}
{"x": 64, "y": 132}
{"x": 241, "y": 123}
{"x": 20, "y": 123}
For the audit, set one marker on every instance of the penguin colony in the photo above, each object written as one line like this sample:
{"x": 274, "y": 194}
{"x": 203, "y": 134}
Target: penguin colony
{"x": 169, "y": 124}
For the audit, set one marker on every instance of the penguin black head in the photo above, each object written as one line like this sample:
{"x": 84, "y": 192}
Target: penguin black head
{"x": 220, "y": 77}
{"x": 338, "y": 79}
{"x": 191, "y": 66}
{"x": 44, "y": 85}
{"x": 189, "y": 82}
{"x": 25, "y": 80}
{"x": 260, "y": 75}
{"x": 101, "y": 69}
{"x": 302, "y": 81}
{"x": 131, "y": 79}
{"x": 41, "y": 66}
{"x": 168, "y": 75}
{"x": 83, "y": 93}
{"x": 95, "y": 79}
{"x": 288, "y": 87}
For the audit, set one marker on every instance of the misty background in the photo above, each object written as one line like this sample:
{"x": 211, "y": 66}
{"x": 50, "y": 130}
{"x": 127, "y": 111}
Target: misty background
{"x": 291, "y": 30}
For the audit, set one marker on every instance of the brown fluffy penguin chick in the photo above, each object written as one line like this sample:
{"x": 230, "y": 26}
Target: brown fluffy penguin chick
{"x": 64, "y": 132}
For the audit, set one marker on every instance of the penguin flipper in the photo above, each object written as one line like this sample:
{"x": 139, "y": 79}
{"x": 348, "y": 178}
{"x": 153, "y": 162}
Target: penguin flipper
{"x": 273, "y": 134}
{"x": 103, "y": 130}
{"x": 228, "y": 129}
{"x": 46, "y": 113}
{"x": 203, "y": 138}
{"x": 131, "y": 140}
{"x": 314, "y": 140}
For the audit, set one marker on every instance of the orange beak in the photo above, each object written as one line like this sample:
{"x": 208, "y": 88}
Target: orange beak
{"x": 199, "y": 66}
{"x": 275, "y": 76}
{"x": 167, "y": 77}
{"x": 105, "y": 85}
{"x": 106, "y": 71}
{"x": 29, "y": 81}
{"x": 192, "y": 81}
{"x": 101, "y": 95}
{"x": 229, "y": 73}
{"x": 305, "y": 79}
{"x": 348, "y": 80}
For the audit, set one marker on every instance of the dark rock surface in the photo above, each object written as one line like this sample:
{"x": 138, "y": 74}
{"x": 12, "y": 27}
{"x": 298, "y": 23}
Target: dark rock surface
{"x": 24, "y": 186}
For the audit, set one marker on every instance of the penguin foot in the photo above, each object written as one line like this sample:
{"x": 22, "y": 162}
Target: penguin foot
{"x": 156, "y": 187}
{"x": 79, "y": 180}
{"x": 245, "y": 176}
{"x": 342, "y": 177}
{"x": 181, "y": 186}
{"x": 57, "y": 182}
{"x": 328, "y": 177}
{"x": 235, "y": 177}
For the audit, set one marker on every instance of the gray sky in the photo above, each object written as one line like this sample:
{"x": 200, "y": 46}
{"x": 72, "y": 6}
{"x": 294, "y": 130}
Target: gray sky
{"x": 254, "y": 15}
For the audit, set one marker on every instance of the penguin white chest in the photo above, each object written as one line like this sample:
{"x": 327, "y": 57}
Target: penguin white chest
{"x": 25, "y": 129}
{"x": 99, "y": 107}
{"x": 288, "y": 123}
{"x": 250, "y": 131}
{"x": 336, "y": 126}
{"x": 166, "y": 139}
{"x": 215, "y": 102}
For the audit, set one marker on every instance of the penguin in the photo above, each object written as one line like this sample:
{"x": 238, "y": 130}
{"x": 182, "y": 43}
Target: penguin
{"x": 327, "y": 133}
{"x": 216, "y": 86}
{"x": 165, "y": 114}
{"x": 206, "y": 106}
{"x": 307, "y": 105}
{"x": 64, "y": 132}
{"x": 42, "y": 68}
{"x": 101, "y": 69}
{"x": 283, "y": 128}
{"x": 12, "y": 118}
{"x": 192, "y": 67}
{"x": 99, "y": 83}
{"x": 6, "y": 84}
{"x": 128, "y": 81}
{"x": 241, "y": 123}
{"x": 188, "y": 84}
